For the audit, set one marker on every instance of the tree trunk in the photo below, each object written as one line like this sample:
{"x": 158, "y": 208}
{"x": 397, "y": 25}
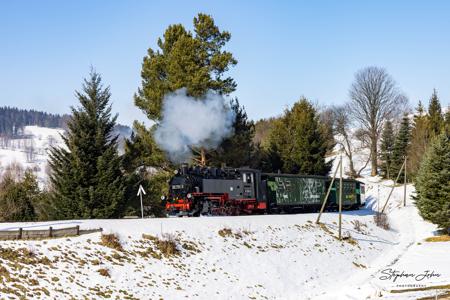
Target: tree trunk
{"x": 373, "y": 154}
{"x": 202, "y": 157}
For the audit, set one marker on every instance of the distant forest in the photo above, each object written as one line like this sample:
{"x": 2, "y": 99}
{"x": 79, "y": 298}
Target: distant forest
{"x": 12, "y": 120}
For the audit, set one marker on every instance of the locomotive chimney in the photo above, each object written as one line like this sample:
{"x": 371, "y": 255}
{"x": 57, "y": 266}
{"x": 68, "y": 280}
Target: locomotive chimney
{"x": 184, "y": 169}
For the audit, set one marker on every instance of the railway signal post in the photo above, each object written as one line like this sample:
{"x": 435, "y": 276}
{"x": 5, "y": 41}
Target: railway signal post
{"x": 139, "y": 193}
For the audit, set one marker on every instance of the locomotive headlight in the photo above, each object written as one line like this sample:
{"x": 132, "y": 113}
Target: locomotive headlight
{"x": 163, "y": 198}
{"x": 189, "y": 196}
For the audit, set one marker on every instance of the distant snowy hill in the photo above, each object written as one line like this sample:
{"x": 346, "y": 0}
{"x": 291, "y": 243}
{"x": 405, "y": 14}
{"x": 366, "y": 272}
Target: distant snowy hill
{"x": 30, "y": 148}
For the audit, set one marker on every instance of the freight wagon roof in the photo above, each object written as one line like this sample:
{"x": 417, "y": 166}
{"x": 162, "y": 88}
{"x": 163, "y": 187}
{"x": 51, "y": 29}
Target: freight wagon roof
{"x": 308, "y": 176}
{"x": 295, "y": 175}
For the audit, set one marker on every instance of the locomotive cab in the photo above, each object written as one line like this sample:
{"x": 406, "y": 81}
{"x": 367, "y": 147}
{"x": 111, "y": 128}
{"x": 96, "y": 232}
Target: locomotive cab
{"x": 215, "y": 191}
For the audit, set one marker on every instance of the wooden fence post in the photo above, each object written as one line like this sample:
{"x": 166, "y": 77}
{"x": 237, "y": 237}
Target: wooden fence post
{"x": 78, "y": 229}
{"x": 20, "y": 233}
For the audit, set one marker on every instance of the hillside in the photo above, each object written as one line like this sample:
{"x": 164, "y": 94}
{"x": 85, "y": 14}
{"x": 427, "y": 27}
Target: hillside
{"x": 254, "y": 257}
{"x": 13, "y": 120}
{"x": 30, "y": 148}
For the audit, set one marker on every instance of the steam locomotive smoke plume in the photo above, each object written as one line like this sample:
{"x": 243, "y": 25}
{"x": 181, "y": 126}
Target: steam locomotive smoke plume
{"x": 188, "y": 122}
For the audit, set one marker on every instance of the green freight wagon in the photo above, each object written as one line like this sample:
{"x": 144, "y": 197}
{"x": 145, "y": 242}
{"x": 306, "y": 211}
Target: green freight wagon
{"x": 293, "y": 193}
{"x": 351, "y": 197}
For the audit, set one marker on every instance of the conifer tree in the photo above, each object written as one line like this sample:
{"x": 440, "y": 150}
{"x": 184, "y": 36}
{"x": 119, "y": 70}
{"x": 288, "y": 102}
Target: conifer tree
{"x": 400, "y": 149}
{"x": 297, "y": 140}
{"x": 420, "y": 137}
{"x": 86, "y": 177}
{"x": 237, "y": 150}
{"x": 195, "y": 60}
{"x": 432, "y": 183}
{"x": 17, "y": 196}
{"x": 436, "y": 120}
{"x": 447, "y": 120}
{"x": 387, "y": 146}
{"x": 141, "y": 157}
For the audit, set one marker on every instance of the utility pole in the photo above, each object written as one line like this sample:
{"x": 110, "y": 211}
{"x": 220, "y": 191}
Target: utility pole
{"x": 404, "y": 189}
{"x": 340, "y": 199}
{"x": 392, "y": 189}
{"x": 139, "y": 193}
{"x": 328, "y": 192}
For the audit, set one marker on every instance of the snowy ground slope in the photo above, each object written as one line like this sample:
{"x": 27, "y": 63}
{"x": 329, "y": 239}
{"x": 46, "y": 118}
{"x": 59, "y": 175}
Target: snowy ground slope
{"x": 411, "y": 255}
{"x": 276, "y": 257}
{"x": 266, "y": 257}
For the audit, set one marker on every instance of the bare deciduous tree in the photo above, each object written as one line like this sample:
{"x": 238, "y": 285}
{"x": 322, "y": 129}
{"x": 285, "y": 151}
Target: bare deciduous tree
{"x": 346, "y": 137}
{"x": 375, "y": 97}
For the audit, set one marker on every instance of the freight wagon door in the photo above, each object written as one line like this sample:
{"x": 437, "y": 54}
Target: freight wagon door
{"x": 299, "y": 191}
{"x": 348, "y": 195}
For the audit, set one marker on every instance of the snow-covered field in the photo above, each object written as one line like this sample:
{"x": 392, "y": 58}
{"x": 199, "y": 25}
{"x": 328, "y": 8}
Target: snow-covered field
{"x": 264, "y": 257}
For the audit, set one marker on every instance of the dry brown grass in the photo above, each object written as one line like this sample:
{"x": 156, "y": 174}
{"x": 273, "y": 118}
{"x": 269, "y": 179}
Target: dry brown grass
{"x": 325, "y": 228}
{"x": 23, "y": 255}
{"x": 167, "y": 246}
{"x": 111, "y": 241}
{"x": 104, "y": 272}
{"x": 4, "y": 273}
{"x": 439, "y": 238}
{"x": 224, "y": 232}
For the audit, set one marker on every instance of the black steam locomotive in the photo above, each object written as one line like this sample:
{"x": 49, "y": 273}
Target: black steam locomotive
{"x": 196, "y": 191}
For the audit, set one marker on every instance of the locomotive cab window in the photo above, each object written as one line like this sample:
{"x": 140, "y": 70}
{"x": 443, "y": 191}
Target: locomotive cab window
{"x": 247, "y": 177}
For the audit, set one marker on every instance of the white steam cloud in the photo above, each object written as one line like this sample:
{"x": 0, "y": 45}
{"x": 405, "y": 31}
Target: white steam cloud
{"x": 189, "y": 122}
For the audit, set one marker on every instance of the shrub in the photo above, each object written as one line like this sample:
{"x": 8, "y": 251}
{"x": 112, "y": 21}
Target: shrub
{"x": 357, "y": 225}
{"x": 224, "y": 232}
{"x": 167, "y": 245}
{"x": 381, "y": 220}
{"x": 111, "y": 241}
{"x": 104, "y": 272}
{"x": 17, "y": 196}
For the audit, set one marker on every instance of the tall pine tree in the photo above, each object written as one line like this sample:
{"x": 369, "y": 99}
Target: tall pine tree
{"x": 387, "y": 146}
{"x": 420, "y": 137}
{"x": 432, "y": 183}
{"x": 86, "y": 177}
{"x": 400, "y": 149}
{"x": 436, "y": 120}
{"x": 195, "y": 60}
{"x": 297, "y": 140}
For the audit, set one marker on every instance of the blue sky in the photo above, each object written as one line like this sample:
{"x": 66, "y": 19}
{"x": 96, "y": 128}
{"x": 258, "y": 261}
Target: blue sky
{"x": 285, "y": 49}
